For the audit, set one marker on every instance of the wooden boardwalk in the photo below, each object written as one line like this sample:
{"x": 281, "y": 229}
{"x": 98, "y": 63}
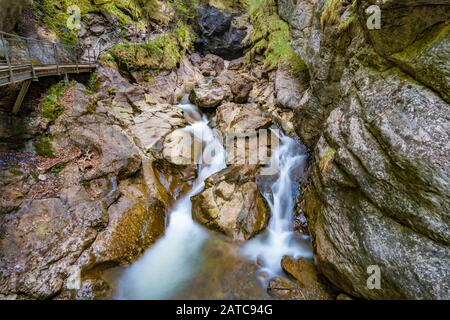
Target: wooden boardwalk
{"x": 20, "y": 73}
{"x": 20, "y": 61}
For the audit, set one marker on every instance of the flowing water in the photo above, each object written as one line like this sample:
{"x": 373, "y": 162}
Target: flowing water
{"x": 279, "y": 239}
{"x": 190, "y": 262}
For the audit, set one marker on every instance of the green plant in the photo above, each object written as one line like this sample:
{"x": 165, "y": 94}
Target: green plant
{"x": 331, "y": 12}
{"x": 58, "y": 169}
{"x": 186, "y": 9}
{"x": 34, "y": 175}
{"x": 85, "y": 183}
{"x": 15, "y": 170}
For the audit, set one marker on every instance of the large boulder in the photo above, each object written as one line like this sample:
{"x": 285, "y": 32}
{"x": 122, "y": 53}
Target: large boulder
{"x": 152, "y": 126}
{"x": 228, "y": 86}
{"x": 211, "y": 65}
{"x": 135, "y": 222}
{"x": 119, "y": 156}
{"x": 374, "y": 115}
{"x": 40, "y": 241}
{"x": 232, "y": 204}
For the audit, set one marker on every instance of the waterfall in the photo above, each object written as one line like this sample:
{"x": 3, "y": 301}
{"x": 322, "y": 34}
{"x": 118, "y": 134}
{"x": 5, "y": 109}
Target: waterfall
{"x": 173, "y": 259}
{"x": 279, "y": 239}
{"x": 176, "y": 258}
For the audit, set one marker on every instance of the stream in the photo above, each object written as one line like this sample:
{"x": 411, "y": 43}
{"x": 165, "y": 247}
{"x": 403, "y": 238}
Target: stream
{"x": 191, "y": 262}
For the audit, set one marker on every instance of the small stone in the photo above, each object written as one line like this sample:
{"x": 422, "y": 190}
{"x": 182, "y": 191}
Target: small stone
{"x": 42, "y": 177}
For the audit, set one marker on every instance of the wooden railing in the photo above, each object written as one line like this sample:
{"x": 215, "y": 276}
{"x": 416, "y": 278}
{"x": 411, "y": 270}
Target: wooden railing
{"x": 27, "y": 58}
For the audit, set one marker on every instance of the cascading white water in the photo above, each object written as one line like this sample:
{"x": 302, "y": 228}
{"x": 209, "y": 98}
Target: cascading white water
{"x": 173, "y": 259}
{"x": 279, "y": 240}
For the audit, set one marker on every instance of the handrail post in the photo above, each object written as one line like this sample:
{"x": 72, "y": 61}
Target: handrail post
{"x": 55, "y": 50}
{"x": 8, "y": 60}
{"x": 77, "y": 58}
{"x": 31, "y": 59}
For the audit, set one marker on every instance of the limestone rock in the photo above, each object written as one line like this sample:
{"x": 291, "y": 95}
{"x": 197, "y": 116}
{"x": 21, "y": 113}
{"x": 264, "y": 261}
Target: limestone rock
{"x": 232, "y": 204}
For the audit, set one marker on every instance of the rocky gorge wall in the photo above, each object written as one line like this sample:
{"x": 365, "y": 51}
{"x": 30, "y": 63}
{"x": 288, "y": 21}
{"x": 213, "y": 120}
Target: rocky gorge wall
{"x": 375, "y": 113}
{"x": 10, "y": 13}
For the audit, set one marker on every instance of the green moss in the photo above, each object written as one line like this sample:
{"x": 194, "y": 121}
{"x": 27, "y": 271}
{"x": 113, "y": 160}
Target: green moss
{"x": 136, "y": 12}
{"x": 43, "y": 147}
{"x": 271, "y": 37}
{"x": 345, "y": 25}
{"x": 333, "y": 11}
{"x": 438, "y": 34}
{"x": 56, "y": 16}
{"x": 91, "y": 83}
{"x": 15, "y": 170}
{"x": 51, "y": 109}
{"x": 326, "y": 159}
{"x": 165, "y": 52}
{"x": 228, "y": 5}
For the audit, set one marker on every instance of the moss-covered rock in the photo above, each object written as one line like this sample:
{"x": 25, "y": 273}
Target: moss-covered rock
{"x": 427, "y": 60}
{"x": 378, "y": 193}
{"x": 271, "y": 37}
{"x": 43, "y": 146}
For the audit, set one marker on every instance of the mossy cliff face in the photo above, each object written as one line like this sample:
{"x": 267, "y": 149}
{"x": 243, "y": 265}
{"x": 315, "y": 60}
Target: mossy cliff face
{"x": 55, "y": 13}
{"x": 374, "y": 114}
{"x": 10, "y": 12}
